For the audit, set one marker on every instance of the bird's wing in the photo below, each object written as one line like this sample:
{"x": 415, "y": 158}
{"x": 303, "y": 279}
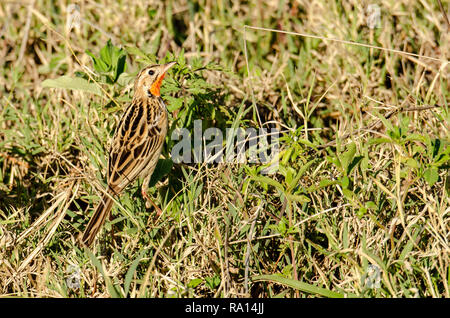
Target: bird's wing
{"x": 138, "y": 139}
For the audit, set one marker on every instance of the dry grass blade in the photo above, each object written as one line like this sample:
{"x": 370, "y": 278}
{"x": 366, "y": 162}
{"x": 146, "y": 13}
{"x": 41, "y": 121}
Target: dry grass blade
{"x": 68, "y": 196}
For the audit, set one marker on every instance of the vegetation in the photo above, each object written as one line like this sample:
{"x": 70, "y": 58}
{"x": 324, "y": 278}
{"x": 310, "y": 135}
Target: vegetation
{"x": 362, "y": 185}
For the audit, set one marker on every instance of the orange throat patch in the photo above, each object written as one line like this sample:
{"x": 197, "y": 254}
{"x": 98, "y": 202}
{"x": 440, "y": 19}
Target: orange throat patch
{"x": 154, "y": 89}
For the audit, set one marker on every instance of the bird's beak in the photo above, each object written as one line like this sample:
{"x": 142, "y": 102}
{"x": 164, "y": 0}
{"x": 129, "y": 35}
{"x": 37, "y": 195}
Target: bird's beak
{"x": 168, "y": 65}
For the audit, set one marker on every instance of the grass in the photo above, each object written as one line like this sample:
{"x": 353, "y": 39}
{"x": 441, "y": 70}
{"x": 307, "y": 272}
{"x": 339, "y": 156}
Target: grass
{"x": 363, "y": 178}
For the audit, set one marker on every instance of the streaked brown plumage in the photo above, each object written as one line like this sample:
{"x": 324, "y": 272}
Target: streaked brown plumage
{"x": 136, "y": 145}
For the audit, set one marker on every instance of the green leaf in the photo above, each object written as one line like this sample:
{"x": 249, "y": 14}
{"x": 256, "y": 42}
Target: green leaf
{"x": 304, "y": 287}
{"x": 120, "y": 66}
{"x": 377, "y": 141}
{"x": 306, "y": 143}
{"x": 298, "y": 198}
{"x": 354, "y": 163}
{"x": 163, "y": 167}
{"x": 123, "y": 80}
{"x": 131, "y": 270}
{"x": 212, "y": 282}
{"x": 106, "y": 53}
{"x": 181, "y": 59}
{"x": 347, "y": 157}
{"x": 431, "y": 175}
{"x": 442, "y": 159}
{"x": 437, "y": 145}
{"x": 411, "y": 162}
{"x": 173, "y": 103}
{"x": 75, "y": 83}
{"x": 300, "y": 173}
{"x": 415, "y": 137}
{"x": 268, "y": 181}
{"x": 409, "y": 245}
{"x": 371, "y": 205}
{"x": 348, "y": 193}
{"x": 345, "y": 182}
{"x": 151, "y": 13}
{"x": 322, "y": 184}
{"x": 361, "y": 212}
{"x": 287, "y": 155}
{"x": 99, "y": 65}
{"x": 194, "y": 282}
{"x": 282, "y": 226}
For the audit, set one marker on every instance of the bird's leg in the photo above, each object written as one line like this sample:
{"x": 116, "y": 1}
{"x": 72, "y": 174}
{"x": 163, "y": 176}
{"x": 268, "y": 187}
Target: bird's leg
{"x": 149, "y": 201}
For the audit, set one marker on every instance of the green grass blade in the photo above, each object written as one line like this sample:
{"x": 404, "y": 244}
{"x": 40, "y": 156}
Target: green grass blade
{"x": 304, "y": 287}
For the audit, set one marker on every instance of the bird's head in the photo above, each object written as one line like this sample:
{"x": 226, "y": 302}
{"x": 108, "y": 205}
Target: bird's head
{"x": 149, "y": 80}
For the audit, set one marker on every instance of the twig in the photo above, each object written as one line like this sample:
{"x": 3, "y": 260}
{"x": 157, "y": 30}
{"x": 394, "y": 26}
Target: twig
{"x": 444, "y": 14}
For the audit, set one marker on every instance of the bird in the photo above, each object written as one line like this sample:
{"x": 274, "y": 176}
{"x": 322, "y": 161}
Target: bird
{"x": 136, "y": 145}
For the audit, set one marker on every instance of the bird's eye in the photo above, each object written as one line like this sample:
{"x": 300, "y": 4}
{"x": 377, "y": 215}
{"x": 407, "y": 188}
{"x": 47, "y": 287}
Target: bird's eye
{"x": 151, "y": 72}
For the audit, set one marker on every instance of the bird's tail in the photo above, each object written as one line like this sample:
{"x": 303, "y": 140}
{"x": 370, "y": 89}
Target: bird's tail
{"x": 97, "y": 220}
